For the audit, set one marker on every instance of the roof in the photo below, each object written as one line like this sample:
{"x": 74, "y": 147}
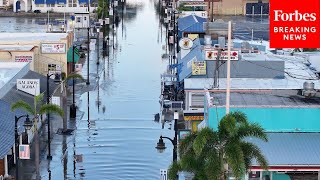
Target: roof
{"x": 8, "y": 70}
{"x": 195, "y": 54}
{"x": 274, "y": 98}
{"x": 188, "y": 21}
{"x": 32, "y": 36}
{"x": 290, "y": 148}
{"x": 15, "y": 95}
{"x": 195, "y": 28}
{"x": 7, "y": 127}
{"x": 296, "y": 73}
{"x": 16, "y": 47}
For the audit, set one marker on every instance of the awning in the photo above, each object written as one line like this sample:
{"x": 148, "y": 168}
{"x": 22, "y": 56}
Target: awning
{"x": 290, "y": 151}
{"x": 76, "y": 55}
{"x": 83, "y": 1}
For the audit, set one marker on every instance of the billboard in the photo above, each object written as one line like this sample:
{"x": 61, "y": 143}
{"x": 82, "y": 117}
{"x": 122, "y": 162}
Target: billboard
{"x": 213, "y": 54}
{"x": 53, "y": 48}
{"x": 23, "y": 58}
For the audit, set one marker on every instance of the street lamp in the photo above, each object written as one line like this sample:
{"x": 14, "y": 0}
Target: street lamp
{"x": 161, "y": 145}
{"x": 27, "y": 124}
{"x": 56, "y": 79}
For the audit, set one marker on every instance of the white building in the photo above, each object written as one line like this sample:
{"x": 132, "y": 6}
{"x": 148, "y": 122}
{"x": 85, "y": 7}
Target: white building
{"x": 67, "y": 6}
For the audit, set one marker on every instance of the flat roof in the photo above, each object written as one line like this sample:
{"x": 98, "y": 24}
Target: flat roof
{"x": 32, "y": 36}
{"x": 273, "y": 98}
{"x": 16, "y": 47}
{"x": 296, "y": 73}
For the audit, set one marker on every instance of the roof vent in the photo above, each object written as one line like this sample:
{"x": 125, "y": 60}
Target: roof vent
{"x": 308, "y": 89}
{"x": 207, "y": 40}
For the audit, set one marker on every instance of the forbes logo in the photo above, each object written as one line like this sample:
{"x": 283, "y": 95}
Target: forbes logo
{"x": 279, "y": 15}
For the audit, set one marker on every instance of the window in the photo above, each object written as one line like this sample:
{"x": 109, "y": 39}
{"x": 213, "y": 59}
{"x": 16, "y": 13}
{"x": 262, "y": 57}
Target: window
{"x": 85, "y": 18}
{"x": 78, "y": 19}
{"x": 60, "y": 5}
{"x": 51, "y": 5}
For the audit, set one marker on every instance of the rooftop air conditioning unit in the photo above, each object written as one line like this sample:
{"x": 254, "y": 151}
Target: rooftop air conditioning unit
{"x": 308, "y": 89}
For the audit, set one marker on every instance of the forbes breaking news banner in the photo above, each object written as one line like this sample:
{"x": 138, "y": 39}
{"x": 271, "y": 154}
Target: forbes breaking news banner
{"x": 294, "y": 23}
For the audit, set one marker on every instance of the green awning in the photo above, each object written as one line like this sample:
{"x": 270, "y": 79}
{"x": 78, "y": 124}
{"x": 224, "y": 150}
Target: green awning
{"x": 76, "y": 55}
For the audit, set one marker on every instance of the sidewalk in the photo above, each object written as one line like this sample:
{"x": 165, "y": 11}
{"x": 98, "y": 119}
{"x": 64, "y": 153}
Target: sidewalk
{"x": 27, "y": 169}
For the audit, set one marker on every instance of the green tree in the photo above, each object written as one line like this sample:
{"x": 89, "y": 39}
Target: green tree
{"x": 208, "y": 154}
{"x": 36, "y": 109}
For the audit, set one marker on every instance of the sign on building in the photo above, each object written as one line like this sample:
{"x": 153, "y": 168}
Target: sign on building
{"x": 53, "y": 48}
{"x": 23, "y": 58}
{"x": 30, "y": 86}
{"x": 54, "y": 69}
{"x": 163, "y": 174}
{"x": 213, "y": 54}
{"x": 24, "y": 151}
{"x": 199, "y": 68}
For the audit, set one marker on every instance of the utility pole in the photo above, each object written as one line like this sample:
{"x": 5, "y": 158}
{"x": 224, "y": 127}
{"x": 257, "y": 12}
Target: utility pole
{"x": 88, "y": 59}
{"x": 228, "y": 70}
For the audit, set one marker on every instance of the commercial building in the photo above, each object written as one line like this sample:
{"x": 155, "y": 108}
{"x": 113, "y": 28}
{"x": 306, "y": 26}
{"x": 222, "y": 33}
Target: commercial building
{"x": 62, "y": 6}
{"x": 46, "y": 52}
{"x": 17, "y": 83}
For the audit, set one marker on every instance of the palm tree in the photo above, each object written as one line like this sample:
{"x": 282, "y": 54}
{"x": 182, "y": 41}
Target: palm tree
{"x": 208, "y": 154}
{"x": 36, "y": 109}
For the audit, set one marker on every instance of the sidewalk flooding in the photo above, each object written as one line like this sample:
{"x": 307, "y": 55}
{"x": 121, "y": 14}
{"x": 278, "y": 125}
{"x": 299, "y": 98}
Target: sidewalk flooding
{"x": 27, "y": 170}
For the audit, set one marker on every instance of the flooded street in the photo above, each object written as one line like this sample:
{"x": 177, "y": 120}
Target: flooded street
{"x": 115, "y": 134}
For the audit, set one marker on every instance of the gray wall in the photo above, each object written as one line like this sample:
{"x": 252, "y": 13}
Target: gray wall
{"x": 248, "y": 69}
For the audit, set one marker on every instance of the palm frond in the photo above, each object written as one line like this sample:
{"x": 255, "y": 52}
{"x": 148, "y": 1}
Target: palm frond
{"x": 22, "y": 105}
{"x": 212, "y": 165}
{"x": 74, "y": 76}
{"x": 186, "y": 143}
{"x": 252, "y": 130}
{"x": 235, "y": 159}
{"x": 240, "y": 117}
{"x": 205, "y": 137}
{"x": 51, "y": 108}
{"x": 173, "y": 170}
{"x": 253, "y": 152}
{"x": 38, "y": 98}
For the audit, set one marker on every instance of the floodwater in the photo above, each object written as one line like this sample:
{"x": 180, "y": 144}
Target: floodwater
{"x": 115, "y": 135}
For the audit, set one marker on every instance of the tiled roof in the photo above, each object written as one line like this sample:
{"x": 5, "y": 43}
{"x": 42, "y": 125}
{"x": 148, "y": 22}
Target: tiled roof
{"x": 7, "y": 127}
{"x": 290, "y": 148}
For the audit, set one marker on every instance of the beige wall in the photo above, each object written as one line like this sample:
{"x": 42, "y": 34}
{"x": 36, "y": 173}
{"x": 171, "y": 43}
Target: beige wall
{"x": 11, "y": 57}
{"x": 40, "y": 60}
{"x": 229, "y": 7}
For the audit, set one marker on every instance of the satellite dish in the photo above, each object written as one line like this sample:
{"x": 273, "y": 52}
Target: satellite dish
{"x": 186, "y": 43}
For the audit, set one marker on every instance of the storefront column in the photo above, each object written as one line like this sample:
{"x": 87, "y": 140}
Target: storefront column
{"x": 261, "y": 175}
{"x": 14, "y": 153}
{"x": 6, "y": 166}
{"x": 318, "y": 175}
{"x": 271, "y": 174}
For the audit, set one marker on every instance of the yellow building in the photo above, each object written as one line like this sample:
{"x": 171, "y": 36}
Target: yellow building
{"x": 40, "y": 49}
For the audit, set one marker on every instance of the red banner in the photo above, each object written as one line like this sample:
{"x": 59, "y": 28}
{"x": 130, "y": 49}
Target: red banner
{"x": 294, "y": 24}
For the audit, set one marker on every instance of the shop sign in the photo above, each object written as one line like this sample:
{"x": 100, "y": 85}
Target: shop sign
{"x": 53, "y": 48}
{"x": 30, "y": 86}
{"x": 186, "y": 43}
{"x": 24, "y": 151}
{"x": 213, "y": 54}
{"x": 199, "y": 68}
{"x": 193, "y": 116}
{"x": 23, "y": 58}
{"x": 183, "y": 133}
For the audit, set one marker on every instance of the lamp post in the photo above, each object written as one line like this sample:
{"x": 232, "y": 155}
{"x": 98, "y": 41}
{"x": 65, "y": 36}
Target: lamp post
{"x": 27, "y": 124}
{"x": 73, "y": 108}
{"x": 161, "y": 145}
{"x": 57, "y": 79}
{"x": 88, "y": 48}
{"x": 98, "y": 35}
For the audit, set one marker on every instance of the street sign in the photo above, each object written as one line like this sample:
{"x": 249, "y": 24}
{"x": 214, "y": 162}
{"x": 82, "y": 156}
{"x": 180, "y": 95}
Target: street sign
{"x": 163, "y": 174}
{"x": 212, "y": 55}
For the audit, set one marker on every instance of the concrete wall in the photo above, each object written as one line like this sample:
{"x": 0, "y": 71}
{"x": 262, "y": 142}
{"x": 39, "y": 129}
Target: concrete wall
{"x": 274, "y": 119}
